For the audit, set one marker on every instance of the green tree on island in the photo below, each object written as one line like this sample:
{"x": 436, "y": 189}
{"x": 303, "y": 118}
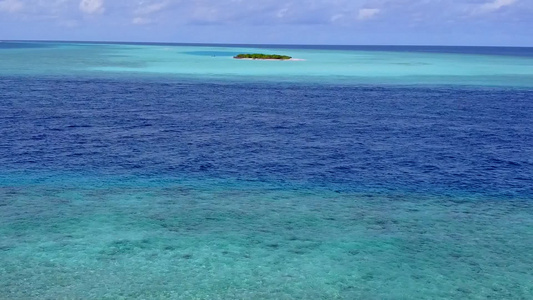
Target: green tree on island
{"x": 263, "y": 56}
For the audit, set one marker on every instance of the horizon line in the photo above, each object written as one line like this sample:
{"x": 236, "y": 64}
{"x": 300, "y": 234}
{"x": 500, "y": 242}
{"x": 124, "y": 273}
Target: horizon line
{"x": 256, "y": 44}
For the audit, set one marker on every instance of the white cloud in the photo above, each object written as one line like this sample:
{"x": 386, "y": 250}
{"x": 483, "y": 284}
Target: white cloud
{"x": 282, "y": 12}
{"x": 141, "y": 21}
{"x": 336, "y": 17}
{"x": 92, "y": 6}
{"x": 367, "y": 13}
{"x": 11, "y": 6}
{"x": 495, "y": 5}
{"x": 150, "y": 9}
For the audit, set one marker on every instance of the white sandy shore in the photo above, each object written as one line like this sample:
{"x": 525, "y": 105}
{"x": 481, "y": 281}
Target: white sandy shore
{"x": 292, "y": 59}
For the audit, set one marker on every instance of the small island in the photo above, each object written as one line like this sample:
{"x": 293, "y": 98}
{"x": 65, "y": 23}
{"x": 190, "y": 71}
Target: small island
{"x": 262, "y": 56}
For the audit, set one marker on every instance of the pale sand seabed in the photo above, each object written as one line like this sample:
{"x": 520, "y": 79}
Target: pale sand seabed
{"x": 200, "y": 240}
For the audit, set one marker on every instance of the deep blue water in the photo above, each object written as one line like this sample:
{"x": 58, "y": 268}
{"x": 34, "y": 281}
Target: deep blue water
{"x": 22, "y": 45}
{"x": 413, "y": 138}
{"x": 164, "y": 188}
{"x": 478, "y": 50}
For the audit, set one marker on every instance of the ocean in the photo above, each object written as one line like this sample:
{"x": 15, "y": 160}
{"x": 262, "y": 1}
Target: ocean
{"x": 173, "y": 171}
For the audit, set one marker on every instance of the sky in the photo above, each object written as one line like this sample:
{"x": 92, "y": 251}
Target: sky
{"x": 334, "y": 22}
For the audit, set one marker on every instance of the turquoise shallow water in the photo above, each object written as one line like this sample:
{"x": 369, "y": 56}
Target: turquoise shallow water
{"x": 176, "y": 172}
{"x": 209, "y": 239}
{"x": 340, "y": 66}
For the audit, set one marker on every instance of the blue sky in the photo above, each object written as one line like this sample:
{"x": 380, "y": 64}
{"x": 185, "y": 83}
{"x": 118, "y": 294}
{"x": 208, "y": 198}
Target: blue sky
{"x": 352, "y": 22}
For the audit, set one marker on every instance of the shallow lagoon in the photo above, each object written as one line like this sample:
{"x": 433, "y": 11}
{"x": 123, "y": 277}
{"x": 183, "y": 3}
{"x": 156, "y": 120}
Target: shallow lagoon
{"x": 199, "y": 240}
{"x": 379, "y": 65}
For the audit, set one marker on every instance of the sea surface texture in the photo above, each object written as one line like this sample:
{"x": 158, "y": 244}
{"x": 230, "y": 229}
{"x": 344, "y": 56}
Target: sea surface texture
{"x": 132, "y": 171}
